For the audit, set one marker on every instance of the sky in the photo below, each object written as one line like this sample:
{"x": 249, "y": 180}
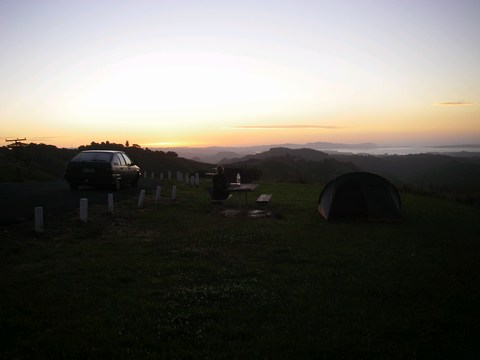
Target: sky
{"x": 238, "y": 73}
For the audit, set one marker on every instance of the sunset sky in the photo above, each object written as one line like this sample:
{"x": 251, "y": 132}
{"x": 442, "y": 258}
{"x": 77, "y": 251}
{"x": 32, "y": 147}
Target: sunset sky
{"x": 202, "y": 73}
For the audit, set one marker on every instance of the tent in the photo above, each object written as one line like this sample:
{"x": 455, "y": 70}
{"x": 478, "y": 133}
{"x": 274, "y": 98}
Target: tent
{"x": 360, "y": 195}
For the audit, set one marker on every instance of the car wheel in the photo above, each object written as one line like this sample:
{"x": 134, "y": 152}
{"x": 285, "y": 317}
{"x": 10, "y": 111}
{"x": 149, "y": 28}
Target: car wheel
{"x": 73, "y": 186}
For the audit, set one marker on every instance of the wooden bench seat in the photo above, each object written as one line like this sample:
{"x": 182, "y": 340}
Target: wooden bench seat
{"x": 264, "y": 199}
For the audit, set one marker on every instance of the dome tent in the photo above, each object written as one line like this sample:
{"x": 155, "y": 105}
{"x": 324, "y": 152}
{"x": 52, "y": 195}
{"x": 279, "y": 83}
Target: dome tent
{"x": 360, "y": 195}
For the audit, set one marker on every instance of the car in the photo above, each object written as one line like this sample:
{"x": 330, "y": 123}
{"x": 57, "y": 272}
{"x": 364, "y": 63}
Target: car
{"x": 101, "y": 168}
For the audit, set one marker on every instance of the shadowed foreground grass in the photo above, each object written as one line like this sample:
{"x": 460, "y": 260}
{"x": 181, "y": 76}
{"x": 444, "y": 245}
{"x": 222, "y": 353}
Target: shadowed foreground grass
{"x": 171, "y": 280}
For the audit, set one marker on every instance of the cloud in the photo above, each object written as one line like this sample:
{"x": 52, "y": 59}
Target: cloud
{"x": 285, "y": 127}
{"x": 455, "y": 103}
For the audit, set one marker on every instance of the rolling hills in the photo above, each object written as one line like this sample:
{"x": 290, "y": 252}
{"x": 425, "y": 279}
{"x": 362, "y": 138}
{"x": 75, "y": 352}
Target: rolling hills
{"x": 457, "y": 176}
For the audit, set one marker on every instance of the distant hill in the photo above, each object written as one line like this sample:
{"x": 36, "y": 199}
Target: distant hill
{"x": 293, "y": 165}
{"x": 215, "y": 154}
{"x": 33, "y": 162}
{"x": 305, "y": 154}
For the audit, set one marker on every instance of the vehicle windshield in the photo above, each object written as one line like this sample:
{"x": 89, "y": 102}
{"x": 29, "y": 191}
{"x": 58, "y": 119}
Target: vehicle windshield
{"x": 93, "y": 156}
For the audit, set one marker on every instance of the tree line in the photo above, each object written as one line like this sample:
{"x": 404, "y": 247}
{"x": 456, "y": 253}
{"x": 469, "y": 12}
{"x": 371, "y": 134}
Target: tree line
{"x": 45, "y": 162}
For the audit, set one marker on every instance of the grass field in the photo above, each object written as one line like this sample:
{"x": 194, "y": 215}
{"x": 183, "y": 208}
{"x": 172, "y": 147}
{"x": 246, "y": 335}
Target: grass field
{"x": 173, "y": 280}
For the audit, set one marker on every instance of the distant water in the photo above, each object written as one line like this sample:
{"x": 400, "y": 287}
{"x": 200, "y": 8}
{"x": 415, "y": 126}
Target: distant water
{"x": 406, "y": 150}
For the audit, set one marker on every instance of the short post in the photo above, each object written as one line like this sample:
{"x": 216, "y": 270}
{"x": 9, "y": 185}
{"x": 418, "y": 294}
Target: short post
{"x": 157, "y": 194}
{"x": 39, "y": 219}
{"x": 187, "y": 178}
{"x": 141, "y": 198}
{"x": 84, "y": 209}
{"x": 192, "y": 180}
{"x": 197, "y": 179}
{"x": 153, "y": 175}
{"x": 169, "y": 175}
{"x": 174, "y": 192}
{"x": 110, "y": 203}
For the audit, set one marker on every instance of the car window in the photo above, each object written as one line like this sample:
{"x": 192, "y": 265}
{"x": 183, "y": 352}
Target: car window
{"x": 127, "y": 159}
{"x": 121, "y": 159}
{"x": 93, "y": 156}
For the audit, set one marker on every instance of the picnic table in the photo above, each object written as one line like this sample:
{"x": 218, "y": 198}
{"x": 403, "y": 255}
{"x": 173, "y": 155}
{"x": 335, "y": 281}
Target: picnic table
{"x": 245, "y": 188}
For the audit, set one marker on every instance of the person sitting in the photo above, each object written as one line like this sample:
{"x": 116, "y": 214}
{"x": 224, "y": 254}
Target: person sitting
{"x": 220, "y": 185}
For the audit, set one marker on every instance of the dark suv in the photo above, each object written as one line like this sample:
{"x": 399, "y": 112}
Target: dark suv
{"x": 102, "y": 167}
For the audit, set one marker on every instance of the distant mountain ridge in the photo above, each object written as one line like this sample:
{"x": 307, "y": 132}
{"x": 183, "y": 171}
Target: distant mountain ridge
{"x": 217, "y": 154}
{"x": 302, "y": 153}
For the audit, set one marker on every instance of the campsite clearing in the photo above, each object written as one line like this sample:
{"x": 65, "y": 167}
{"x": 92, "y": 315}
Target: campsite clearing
{"x": 172, "y": 280}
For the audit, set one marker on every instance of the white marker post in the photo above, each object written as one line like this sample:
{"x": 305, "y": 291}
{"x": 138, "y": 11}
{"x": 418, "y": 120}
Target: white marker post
{"x": 110, "y": 203}
{"x": 174, "y": 192}
{"x": 84, "y": 209}
{"x": 39, "y": 219}
{"x": 141, "y": 198}
{"x": 157, "y": 194}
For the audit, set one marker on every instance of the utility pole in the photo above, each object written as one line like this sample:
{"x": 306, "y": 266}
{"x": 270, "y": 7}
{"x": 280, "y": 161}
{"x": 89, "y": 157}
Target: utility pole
{"x": 16, "y": 141}
{"x": 16, "y": 146}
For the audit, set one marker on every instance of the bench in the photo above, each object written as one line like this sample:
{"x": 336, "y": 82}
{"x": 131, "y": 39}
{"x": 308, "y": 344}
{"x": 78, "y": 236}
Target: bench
{"x": 264, "y": 199}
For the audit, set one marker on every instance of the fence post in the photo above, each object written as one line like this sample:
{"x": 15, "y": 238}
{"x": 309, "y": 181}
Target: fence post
{"x": 39, "y": 219}
{"x": 141, "y": 198}
{"x": 174, "y": 192}
{"x": 157, "y": 194}
{"x": 84, "y": 210}
{"x": 110, "y": 203}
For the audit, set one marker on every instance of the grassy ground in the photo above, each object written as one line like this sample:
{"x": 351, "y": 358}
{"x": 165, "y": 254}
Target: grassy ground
{"x": 172, "y": 280}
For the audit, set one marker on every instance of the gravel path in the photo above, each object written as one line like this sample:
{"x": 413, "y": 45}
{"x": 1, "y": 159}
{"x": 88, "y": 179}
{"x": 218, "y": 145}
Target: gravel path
{"x": 18, "y": 200}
